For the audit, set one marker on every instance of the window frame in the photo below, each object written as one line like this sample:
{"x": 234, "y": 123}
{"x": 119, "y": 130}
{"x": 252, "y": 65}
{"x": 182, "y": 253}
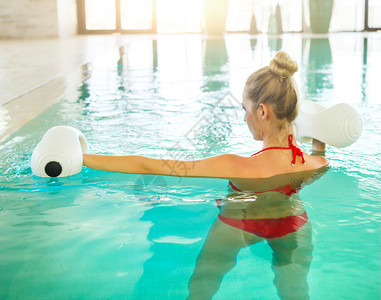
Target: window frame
{"x": 81, "y": 18}
{"x": 366, "y": 19}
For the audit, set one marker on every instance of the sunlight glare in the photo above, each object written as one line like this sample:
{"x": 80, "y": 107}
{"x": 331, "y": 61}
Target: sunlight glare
{"x": 179, "y": 16}
{"x": 136, "y": 14}
{"x": 100, "y": 14}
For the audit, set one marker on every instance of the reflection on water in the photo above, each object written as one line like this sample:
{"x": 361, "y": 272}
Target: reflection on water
{"x": 364, "y": 72}
{"x": 215, "y": 58}
{"x": 275, "y": 44}
{"x": 185, "y": 68}
{"x": 319, "y": 73}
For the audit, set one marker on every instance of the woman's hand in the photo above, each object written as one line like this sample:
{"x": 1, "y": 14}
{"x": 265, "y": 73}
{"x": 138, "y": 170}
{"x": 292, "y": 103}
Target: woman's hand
{"x": 317, "y": 146}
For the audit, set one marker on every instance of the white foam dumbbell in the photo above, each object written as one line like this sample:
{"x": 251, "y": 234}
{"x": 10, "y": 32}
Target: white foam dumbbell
{"x": 59, "y": 153}
{"x": 339, "y": 125}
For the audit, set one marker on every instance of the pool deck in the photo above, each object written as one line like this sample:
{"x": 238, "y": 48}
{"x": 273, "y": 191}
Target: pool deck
{"x": 35, "y": 73}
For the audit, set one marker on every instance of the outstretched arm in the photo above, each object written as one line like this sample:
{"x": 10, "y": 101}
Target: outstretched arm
{"x": 221, "y": 166}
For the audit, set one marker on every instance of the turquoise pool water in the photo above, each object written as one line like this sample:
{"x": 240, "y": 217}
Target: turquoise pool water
{"x": 98, "y": 235}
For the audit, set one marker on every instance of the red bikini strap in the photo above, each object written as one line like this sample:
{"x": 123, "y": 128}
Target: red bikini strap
{"x": 271, "y": 148}
{"x": 295, "y": 151}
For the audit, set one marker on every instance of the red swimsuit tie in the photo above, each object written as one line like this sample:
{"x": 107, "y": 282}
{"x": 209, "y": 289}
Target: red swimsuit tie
{"x": 295, "y": 151}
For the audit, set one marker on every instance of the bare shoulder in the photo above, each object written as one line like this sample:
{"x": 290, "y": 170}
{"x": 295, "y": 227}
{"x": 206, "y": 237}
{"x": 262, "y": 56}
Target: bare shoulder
{"x": 264, "y": 165}
{"x": 246, "y": 167}
{"x": 317, "y": 161}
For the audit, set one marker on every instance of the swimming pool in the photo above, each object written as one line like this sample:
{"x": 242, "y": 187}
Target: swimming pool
{"x": 123, "y": 236}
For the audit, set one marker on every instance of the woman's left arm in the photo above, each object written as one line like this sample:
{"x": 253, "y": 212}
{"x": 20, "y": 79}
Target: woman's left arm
{"x": 221, "y": 166}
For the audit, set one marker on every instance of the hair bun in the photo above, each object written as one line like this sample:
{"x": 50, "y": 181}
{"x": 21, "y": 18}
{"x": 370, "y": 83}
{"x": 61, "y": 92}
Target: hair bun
{"x": 283, "y": 65}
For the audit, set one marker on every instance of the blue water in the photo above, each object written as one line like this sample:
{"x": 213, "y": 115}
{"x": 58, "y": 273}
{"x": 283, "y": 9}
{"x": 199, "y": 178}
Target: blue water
{"x": 125, "y": 236}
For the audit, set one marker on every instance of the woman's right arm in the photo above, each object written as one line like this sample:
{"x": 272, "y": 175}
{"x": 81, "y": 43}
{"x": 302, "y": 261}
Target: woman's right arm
{"x": 221, "y": 166}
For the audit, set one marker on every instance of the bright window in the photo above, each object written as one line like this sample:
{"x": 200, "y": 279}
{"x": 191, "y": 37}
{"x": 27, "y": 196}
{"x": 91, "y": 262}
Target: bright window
{"x": 136, "y": 14}
{"x": 100, "y": 14}
{"x": 239, "y": 15}
{"x": 241, "y": 12}
{"x": 292, "y": 16}
{"x": 374, "y": 13}
{"x": 179, "y": 16}
{"x": 348, "y": 15}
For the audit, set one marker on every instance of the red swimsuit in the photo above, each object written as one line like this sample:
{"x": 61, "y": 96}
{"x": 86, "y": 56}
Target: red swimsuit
{"x": 270, "y": 228}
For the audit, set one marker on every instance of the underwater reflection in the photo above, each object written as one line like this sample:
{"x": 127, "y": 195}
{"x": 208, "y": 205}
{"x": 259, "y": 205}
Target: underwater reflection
{"x": 275, "y": 213}
{"x": 275, "y": 44}
{"x": 319, "y": 75}
{"x": 364, "y": 82}
{"x": 214, "y": 59}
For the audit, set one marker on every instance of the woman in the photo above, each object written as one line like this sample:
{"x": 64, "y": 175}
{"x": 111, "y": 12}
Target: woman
{"x": 272, "y": 210}
{"x": 271, "y": 104}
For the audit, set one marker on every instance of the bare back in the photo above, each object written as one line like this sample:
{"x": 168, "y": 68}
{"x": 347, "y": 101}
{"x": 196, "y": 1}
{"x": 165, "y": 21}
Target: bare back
{"x": 272, "y": 163}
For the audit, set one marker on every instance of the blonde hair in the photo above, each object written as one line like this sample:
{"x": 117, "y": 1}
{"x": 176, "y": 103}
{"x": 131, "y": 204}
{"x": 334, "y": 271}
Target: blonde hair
{"x": 274, "y": 85}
